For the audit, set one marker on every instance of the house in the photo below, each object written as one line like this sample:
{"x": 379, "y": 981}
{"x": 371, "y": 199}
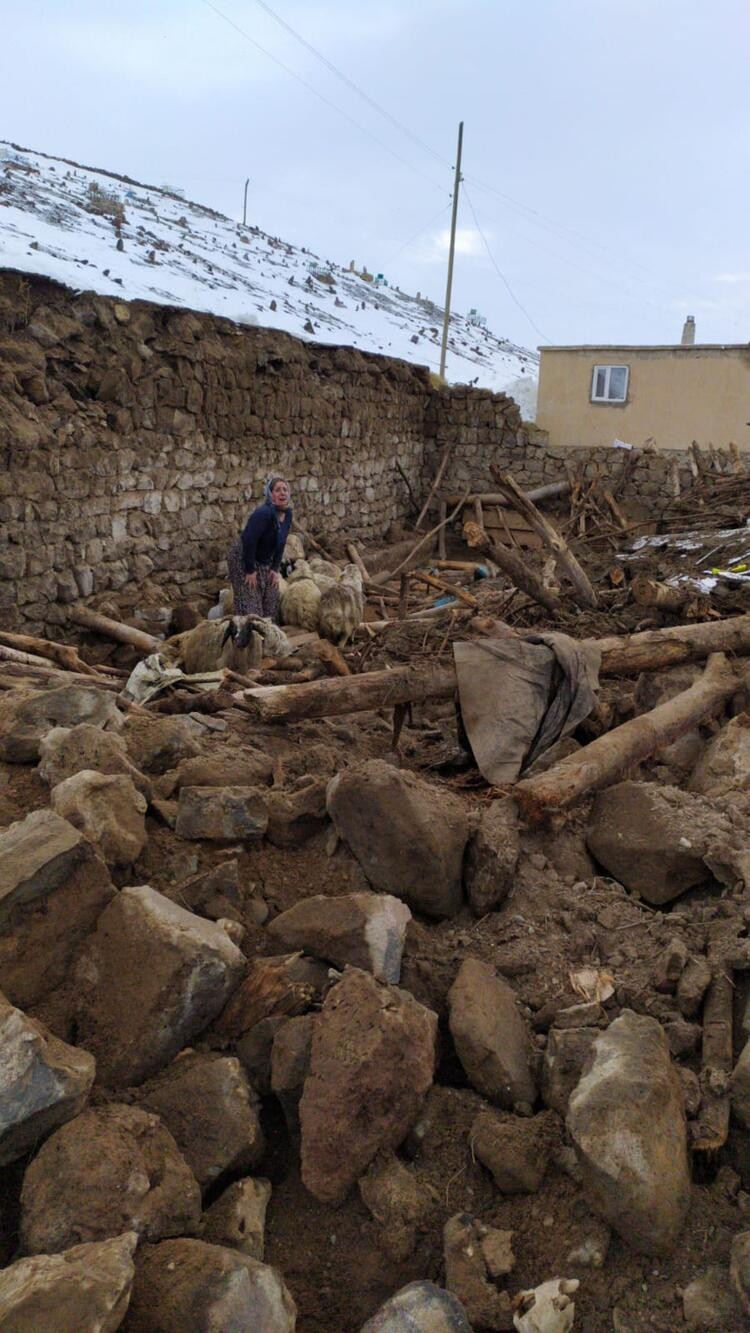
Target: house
{"x": 671, "y": 395}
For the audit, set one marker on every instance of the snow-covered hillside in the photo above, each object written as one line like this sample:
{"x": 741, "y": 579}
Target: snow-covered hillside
{"x": 93, "y": 230}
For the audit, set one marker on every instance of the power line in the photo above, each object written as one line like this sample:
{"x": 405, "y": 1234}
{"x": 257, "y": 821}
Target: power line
{"x": 321, "y": 97}
{"x": 354, "y": 86}
{"x": 499, "y": 272}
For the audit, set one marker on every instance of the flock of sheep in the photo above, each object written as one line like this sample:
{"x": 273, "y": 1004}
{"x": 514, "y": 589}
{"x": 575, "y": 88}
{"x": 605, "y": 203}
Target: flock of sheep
{"x": 315, "y": 595}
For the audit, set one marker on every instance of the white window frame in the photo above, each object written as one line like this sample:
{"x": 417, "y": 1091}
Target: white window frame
{"x": 607, "y": 380}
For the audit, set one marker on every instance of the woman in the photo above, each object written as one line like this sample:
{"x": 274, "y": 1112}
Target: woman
{"x": 255, "y": 558}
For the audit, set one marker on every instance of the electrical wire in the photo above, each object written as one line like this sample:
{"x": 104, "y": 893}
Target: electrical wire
{"x": 383, "y": 111}
{"x": 321, "y": 97}
{"x": 500, "y": 273}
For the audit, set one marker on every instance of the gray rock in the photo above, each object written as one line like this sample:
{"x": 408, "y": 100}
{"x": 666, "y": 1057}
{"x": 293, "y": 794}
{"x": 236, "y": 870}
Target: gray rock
{"x": 238, "y": 1218}
{"x": 66, "y": 751}
{"x": 724, "y": 766}
{"x": 109, "y": 812}
{"x": 110, "y": 1170}
{"x": 492, "y": 857}
{"x": 149, "y": 979}
{"x": 27, "y": 717}
{"x": 53, "y": 888}
{"x": 209, "y": 1108}
{"x": 222, "y": 814}
{"x": 709, "y": 1304}
{"x": 372, "y": 1061}
{"x": 739, "y": 1269}
{"x": 627, "y": 1122}
{"x": 489, "y": 1034}
{"x": 408, "y": 836}
{"x": 653, "y": 839}
{"x": 156, "y": 744}
{"x": 86, "y": 1289}
{"x": 515, "y": 1149}
{"x": 366, "y": 930}
{"x": 37, "y": 854}
{"x": 420, "y": 1307}
{"x": 43, "y": 1082}
{"x": 189, "y": 1284}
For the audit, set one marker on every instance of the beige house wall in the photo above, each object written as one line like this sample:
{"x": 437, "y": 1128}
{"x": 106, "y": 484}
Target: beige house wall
{"x": 675, "y": 395}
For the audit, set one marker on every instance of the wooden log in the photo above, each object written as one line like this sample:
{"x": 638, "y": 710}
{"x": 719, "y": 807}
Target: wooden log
{"x": 511, "y": 564}
{"x": 606, "y": 758}
{"x": 435, "y": 484}
{"x": 353, "y": 694}
{"x": 655, "y": 649}
{"x": 329, "y": 655}
{"x": 538, "y": 493}
{"x": 444, "y": 586}
{"x": 412, "y": 497}
{"x": 61, "y": 653}
{"x": 386, "y": 576}
{"x": 465, "y": 566}
{"x": 403, "y": 600}
{"x": 711, "y": 1129}
{"x": 114, "y": 629}
{"x": 649, "y": 592}
{"x": 443, "y": 520}
{"x": 584, "y": 593}
{"x": 357, "y": 560}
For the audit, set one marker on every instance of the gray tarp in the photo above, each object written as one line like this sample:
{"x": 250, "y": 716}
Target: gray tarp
{"x": 521, "y": 694}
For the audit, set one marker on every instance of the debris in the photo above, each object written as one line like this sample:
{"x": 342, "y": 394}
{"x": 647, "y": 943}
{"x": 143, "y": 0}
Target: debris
{"x": 515, "y": 1149}
{"x": 26, "y": 717}
{"x": 467, "y": 1271}
{"x": 221, "y": 814}
{"x": 109, "y": 812}
{"x": 492, "y": 857}
{"x": 238, "y": 1217}
{"x": 490, "y": 1036}
{"x": 366, "y": 930}
{"x": 182, "y": 1284}
{"x": 548, "y": 1308}
{"x": 43, "y": 1082}
{"x": 86, "y": 1288}
{"x": 593, "y": 984}
{"x": 397, "y": 1201}
{"x": 420, "y": 1307}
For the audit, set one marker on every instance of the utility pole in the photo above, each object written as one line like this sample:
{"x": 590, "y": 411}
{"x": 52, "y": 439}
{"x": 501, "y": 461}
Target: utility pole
{"x": 244, "y": 206}
{"x": 446, "y": 319}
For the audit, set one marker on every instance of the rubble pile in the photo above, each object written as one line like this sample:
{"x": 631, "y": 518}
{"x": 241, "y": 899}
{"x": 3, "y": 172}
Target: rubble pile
{"x": 304, "y": 1024}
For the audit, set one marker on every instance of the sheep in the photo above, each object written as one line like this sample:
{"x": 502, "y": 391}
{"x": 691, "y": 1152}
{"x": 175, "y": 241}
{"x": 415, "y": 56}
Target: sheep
{"x": 236, "y": 643}
{"x": 324, "y": 569}
{"x": 341, "y": 607}
{"x": 300, "y": 598}
{"x": 224, "y": 607}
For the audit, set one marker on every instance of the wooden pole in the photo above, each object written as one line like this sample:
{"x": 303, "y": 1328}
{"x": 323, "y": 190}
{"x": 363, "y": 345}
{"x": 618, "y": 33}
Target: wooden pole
{"x": 114, "y": 629}
{"x": 331, "y": 697}
{"x": 451, "y": 253}
{"x": 566, "y": 562}
{"x": 606, "y": 758}
{"x": 435, "y": 484}
{"x": 511, "y": 564}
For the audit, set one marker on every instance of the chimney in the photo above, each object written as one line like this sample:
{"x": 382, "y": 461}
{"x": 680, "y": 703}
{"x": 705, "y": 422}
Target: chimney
{"x": 688, "y": 332}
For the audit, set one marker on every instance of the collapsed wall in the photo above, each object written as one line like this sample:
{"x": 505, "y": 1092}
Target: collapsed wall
{"x": 134, "y": 438}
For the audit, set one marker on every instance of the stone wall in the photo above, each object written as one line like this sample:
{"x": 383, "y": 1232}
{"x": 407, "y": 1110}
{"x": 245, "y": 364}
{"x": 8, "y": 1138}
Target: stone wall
{"x": 134, "y": 438}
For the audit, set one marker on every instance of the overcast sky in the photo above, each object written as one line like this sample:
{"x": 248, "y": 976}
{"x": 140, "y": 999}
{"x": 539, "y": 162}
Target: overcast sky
{"x": 606, "y": 142}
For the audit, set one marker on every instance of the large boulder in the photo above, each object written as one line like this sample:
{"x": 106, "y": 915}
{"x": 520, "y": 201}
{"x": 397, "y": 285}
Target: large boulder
{"x": 408, "y": 836}
{"x": 27, "y": 717}
{"x": 372, "y": 1061}
{"x": 208, "y": 1106}
{"x": 724, "y": 766}
{"x": 189, "y": 1284}
{"x": 66, "y": 751}
{"x": 110, "y": 1170}
{"x": 109, "y": 812}
{"x": 86, "y": 1289}
{"x": 221, "y": 814}
{"x": 492, "y": 857}
{"x": 43, "y": 1082}
{"x": 420, "y": 1307}
{"x": 149, "y": 979}
{"x": 53, "y": 888}
{"x": 627, "y": 1122}
{"x": 653, "y": 839}
{"x": 156, "y": 744}
{"x": 366, "y": 930}
{"x": 490, "y": 1035}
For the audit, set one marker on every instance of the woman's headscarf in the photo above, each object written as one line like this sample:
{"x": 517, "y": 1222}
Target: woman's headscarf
{"x": 268, "y": 488}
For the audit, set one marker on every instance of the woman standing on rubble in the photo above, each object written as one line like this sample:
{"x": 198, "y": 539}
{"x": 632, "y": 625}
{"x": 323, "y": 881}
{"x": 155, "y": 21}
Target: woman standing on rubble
{"x": 255, "y": 557}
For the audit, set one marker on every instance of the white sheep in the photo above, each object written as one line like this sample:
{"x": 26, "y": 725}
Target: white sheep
{"x": 224, "y": 607}
{"x": 300, "y": 598}
{"x": 341, "y": 607}
{"x": 324, "y": 569}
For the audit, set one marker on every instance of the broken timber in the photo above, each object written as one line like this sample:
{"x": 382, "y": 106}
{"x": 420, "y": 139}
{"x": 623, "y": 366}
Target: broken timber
{"x": 607, "y": 757}
{"x": 511, "y": 564}
{"x": 583, "y": 592}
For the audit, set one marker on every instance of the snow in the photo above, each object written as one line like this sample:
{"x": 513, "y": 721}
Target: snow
{"x": 180, "y": 253}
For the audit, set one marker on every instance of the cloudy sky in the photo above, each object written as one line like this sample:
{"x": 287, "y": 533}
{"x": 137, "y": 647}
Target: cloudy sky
{"x": 606, "y": 142}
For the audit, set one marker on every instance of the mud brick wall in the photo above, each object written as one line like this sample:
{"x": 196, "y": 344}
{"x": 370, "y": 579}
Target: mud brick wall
{"x": 134, "y": 438}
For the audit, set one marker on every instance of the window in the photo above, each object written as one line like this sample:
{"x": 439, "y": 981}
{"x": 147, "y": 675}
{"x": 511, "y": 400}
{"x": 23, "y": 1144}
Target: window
{"x": 609, "y": 384}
